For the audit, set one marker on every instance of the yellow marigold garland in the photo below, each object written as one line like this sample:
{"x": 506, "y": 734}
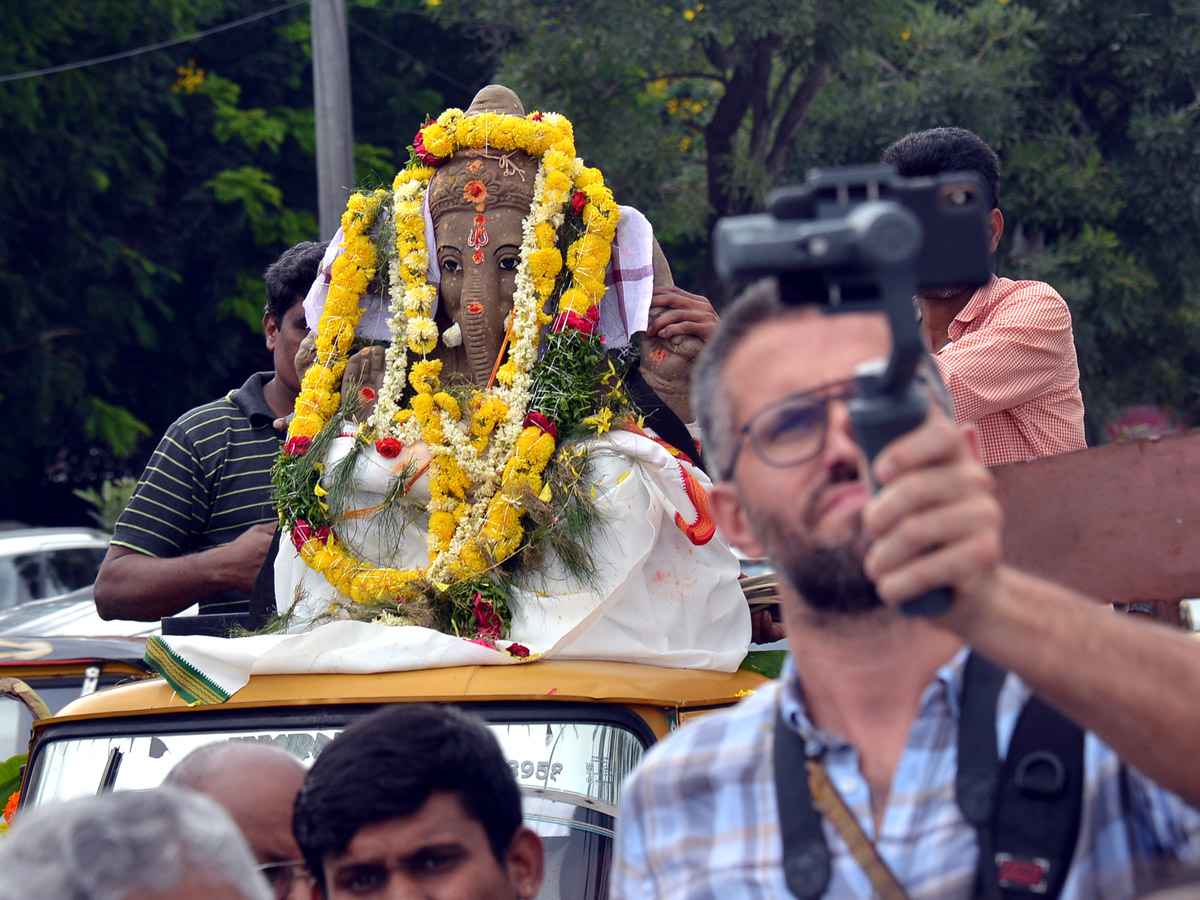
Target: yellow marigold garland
{"x": 351, "y": 273}
{"x": 481, "y": 473}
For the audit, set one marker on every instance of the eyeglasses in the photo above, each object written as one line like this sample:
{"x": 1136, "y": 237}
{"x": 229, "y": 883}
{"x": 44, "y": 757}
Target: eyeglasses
{"x": 792, "y": 430}
{"x": 282, "y": 875}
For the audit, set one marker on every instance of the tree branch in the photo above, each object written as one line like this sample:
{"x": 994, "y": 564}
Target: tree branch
{"x": 762, "y": 56}
{"x": 706, "y": 76}
{"x": 721, "y": 132}
{"x": 43, "y": 337}
{"x": 781, "y": 89}
{"x": 717, "y": 55}
{"x": 789, "y": 126}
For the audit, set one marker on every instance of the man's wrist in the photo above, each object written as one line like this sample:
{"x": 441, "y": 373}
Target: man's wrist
{"x": 1006, "y": 615}
{"x": 222, "y": 565}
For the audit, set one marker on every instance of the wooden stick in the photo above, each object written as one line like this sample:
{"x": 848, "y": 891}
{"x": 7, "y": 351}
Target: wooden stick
{"x": 500, "y": 355}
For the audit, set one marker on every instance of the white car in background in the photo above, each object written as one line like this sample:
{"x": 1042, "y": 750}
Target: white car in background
{"x": 46, "y": 581}
{"x": 37, "y": 563}
{"x": 70, "y": 615}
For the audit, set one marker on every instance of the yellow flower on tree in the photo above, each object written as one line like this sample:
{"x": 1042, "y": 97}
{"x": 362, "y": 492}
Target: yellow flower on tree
{"x": 190, "y": 78}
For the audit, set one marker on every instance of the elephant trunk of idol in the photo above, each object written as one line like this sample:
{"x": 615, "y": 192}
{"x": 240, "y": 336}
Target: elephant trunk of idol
{"x": 481, "y": 336}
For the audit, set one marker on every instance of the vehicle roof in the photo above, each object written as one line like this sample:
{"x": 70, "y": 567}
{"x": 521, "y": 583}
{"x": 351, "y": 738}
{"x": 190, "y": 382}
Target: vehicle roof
{"x": 31, "y": 652}
{"x": 554, "y": 680}
{"x": 29, "y": 540}
{"x": 72, "y": 614}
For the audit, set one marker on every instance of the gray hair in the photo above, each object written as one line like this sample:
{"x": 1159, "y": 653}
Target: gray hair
{"x": 759, "y": 305}
{"x": 110, "y": 846}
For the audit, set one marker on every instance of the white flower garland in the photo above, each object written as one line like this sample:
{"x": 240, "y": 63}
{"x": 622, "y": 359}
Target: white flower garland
{"x": 415, "y": 302}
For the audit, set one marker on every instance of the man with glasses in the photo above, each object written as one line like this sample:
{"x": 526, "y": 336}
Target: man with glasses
{"x": 860, "y": 733}
{"x": 257, "y": 785}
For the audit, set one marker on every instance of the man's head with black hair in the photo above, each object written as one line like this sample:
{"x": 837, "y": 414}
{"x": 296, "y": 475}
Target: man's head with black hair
{"x": 950, "y": 149}
{"x": 290, "y": 276}
{"x": 418, "y": 792}
{"x": 933, "y": 152}
{"x": 288, "y": 280}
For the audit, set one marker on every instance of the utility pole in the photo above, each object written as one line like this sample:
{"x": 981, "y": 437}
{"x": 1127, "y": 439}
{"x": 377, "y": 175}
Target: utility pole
{"x": 331, "y": 104}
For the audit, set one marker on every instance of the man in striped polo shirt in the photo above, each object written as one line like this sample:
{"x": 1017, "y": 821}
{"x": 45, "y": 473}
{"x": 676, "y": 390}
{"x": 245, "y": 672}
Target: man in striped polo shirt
{"x": 201, "y": 519}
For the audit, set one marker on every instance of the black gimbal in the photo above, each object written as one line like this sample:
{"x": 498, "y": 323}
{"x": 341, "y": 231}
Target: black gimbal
{"x": 863, "y": 238}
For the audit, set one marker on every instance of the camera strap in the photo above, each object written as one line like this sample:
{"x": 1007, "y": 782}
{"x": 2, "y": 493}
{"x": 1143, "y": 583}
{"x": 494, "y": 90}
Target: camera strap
{"x": 1026, "y": 811}
{"x": 804, "y": 794}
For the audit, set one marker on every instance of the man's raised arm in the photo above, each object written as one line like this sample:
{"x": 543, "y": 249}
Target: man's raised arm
{"x": 1131, "y": 683}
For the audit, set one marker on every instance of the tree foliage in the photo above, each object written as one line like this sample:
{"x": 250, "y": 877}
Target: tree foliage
{"x": 1118, "y": 127}
{"x": 1094, "y": 111}
{"x": 691, "y": 109}
{"x": 694, "y": 110}
{"x": 141, "y": 199}
{"x": 135, "y": 194}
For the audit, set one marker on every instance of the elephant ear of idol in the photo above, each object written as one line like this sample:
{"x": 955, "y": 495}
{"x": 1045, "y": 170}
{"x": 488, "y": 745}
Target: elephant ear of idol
{"x": 478, "y": 201}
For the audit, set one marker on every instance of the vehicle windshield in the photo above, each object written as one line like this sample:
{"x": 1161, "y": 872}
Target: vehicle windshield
{"x": 570, "y": 775}
{"x": 49, "y": 572}
{"x": 16, "y": 721}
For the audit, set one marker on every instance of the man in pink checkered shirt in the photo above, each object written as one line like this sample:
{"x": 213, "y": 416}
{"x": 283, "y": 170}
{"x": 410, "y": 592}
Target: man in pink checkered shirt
{"x": 1005, "y": 351}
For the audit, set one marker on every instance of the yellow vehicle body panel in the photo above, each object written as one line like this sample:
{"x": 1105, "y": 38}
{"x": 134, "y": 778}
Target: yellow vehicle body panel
{"x": 640, "y": 687}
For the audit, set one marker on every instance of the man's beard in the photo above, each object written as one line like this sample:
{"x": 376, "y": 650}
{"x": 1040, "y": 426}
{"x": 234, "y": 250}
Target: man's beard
{"x": 828, "y": 577}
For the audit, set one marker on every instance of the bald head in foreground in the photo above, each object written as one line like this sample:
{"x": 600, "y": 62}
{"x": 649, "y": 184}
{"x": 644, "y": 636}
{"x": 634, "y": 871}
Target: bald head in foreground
{"x": 257, "y": 785}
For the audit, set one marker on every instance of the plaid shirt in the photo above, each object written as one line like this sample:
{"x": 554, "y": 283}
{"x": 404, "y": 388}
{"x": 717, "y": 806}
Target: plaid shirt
{"x": 699, "y": 818}
{"x": 1010, "y": 368}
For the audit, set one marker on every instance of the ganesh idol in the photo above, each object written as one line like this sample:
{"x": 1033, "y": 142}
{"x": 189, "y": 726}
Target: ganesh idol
{"x": 490, "y": 450}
